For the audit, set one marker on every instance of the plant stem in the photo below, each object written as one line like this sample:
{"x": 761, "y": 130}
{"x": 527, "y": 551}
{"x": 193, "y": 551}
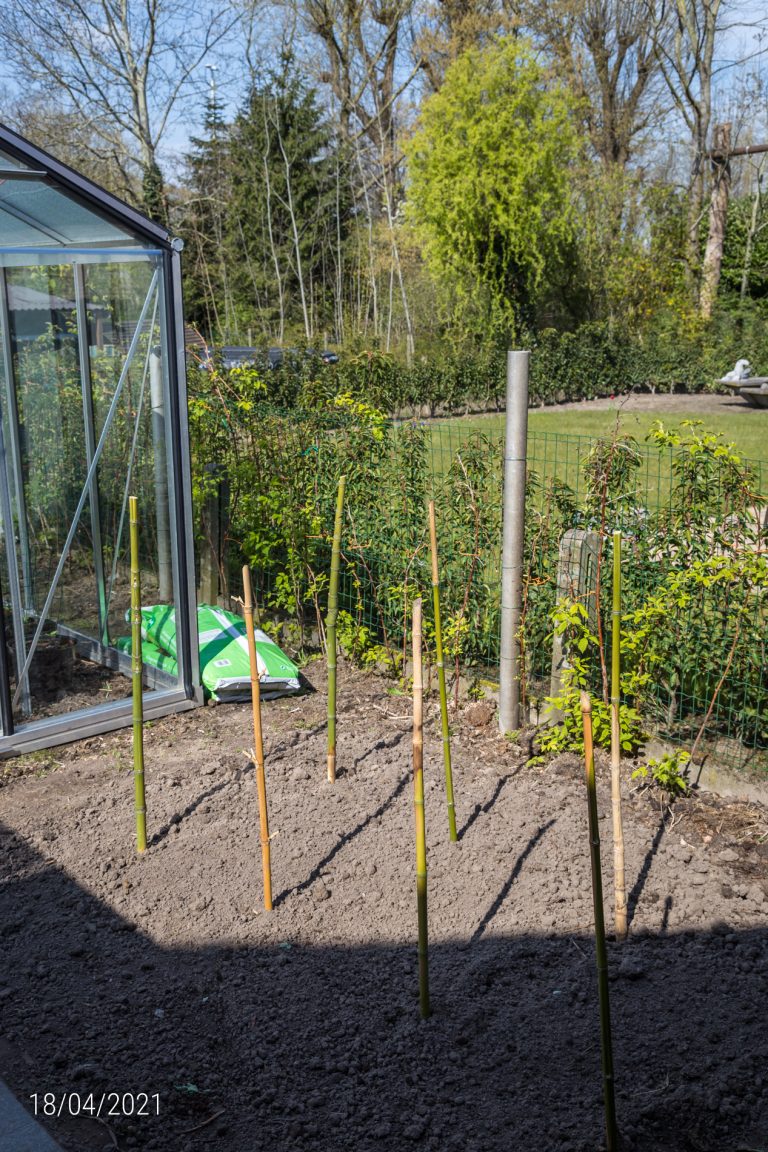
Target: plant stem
{"x": 136, "y": 677}
{"x": 258, "y": 740}
{"x": 330, "y": 629}
{"x": 606, "y": 1046}
{"x": 716, "y": 692}
{"x": 418, "y": 806}
{"x": 619, "y": 882}
{"x": 441, "y": 675}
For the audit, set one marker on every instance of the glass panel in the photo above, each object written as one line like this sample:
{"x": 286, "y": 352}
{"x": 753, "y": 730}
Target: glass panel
{"x": 8, "y": 161}
{"x": 35, "y": 211}
{"x": 134, "y": 457}
{"x": 33, "y": 255}
{"x": 72, "y": 332}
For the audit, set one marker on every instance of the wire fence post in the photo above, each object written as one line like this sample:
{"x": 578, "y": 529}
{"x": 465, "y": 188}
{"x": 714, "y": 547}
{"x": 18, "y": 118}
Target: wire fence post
{"x": 513, "y": 531}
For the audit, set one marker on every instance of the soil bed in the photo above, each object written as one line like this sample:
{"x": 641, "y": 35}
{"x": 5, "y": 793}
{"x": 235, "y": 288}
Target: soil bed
{"x": 299, "y": 1029}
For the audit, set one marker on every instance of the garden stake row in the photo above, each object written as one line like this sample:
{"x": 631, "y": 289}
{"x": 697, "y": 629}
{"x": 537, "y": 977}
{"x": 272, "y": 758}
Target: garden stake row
{"x": 258, "y": 740}
{"x": 136, "y": 675}
{"x": 418, "y": 805}
{"x": 330, "y": 630}
{"x": 441, "y": 675}
{"x": 620, "y": 887}
{"x": 606, "y": 1046}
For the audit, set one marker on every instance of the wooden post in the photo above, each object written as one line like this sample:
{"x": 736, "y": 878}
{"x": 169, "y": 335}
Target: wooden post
{"x": 136, "y": 678}
{"x": 620, "y": 887}
{"x": 441, "y": 676}
{"x": 418, "y": 803}
{"x": 213, "y": 560}
{"x": 601, "y": 955}
{"x": 330, "y": 628}
{"x": 258, "y": 741}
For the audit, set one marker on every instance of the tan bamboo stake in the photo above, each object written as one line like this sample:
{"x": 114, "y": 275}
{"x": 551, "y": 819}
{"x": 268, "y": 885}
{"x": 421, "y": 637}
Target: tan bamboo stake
{"x": 606, "y": 1045}
{"x": 330, "y": 629}
{"x": 140, "y": 802}
{"x": 619, "y": 882}
{"x": 258, "y": 740}
{"x": 418, "y": 805}
{"x": 441, "y": 675}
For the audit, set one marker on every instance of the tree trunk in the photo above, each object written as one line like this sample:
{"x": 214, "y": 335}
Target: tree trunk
{"x": 751, "y": 234}
{"x": 718, "y": 216}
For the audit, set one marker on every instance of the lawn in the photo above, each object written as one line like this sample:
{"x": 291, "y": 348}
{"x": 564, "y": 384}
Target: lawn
{"x": 748, "y": 430}
{"x": 559, "y": 438}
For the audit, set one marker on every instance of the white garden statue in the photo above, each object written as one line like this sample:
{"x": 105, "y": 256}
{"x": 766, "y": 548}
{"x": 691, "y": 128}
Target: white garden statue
{"x": 740, "y": 372}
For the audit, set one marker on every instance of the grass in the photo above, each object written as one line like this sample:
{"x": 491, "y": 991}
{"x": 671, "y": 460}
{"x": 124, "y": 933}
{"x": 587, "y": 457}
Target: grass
{"x": 747, "y": 430}
{"x": 559, "y": 438}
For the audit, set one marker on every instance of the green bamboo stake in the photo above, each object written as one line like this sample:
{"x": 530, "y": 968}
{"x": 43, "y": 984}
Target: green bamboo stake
{"x": 418, "y": 805}
{"x": 258, "y": 740}
{"x": 330, "y": 630}
{"x": 441, "y": 675}
{"x": 136, "y": 678}
{"x": 619, "y": 881}
{"x": 606, "y": 1046}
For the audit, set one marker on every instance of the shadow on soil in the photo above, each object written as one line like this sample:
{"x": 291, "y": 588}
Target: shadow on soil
{"x": 292, "y": 1048}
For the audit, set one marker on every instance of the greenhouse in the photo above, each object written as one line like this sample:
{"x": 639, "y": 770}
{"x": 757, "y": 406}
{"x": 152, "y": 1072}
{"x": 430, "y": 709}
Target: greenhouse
{"x": 92, "y": 388}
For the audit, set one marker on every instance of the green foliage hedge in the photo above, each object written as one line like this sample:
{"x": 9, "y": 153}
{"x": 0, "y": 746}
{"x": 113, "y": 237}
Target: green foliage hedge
{"x": 598, "y": 359}
{"x": 695, "y": 585}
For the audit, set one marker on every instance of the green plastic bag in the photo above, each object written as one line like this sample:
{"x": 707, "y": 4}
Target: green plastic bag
{"x": 150, "y": 654}
{"x": 224, "y": 665}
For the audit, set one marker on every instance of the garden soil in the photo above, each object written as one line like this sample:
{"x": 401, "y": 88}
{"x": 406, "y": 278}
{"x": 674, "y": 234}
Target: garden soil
{"x": 299, "y": 1029}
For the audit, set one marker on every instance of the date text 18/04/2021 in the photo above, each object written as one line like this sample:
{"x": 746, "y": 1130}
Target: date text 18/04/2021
{"x": 101, "y": 1105}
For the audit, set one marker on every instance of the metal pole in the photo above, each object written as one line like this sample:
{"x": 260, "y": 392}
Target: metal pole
{"x": 6, "y": 514}
{"x": 89, "y": 425}
{"x": 6, "y": 707}
{"x": 14, "y": 439}
{"x": 513, "y": 530}
{"x": 180, "y": 506}
{"x": 164, "y": 566}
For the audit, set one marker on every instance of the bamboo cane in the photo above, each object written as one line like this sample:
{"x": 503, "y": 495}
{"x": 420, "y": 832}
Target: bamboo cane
{"x": 441, "y": 675}
{"x": 620, "y": 887}
{"x": 140, "y": 802}
{"x": 418, "y": 804}
{"x": 258, "y": 741}
{"x": 330, "y": 630}
{"x": 606, "y": 1047}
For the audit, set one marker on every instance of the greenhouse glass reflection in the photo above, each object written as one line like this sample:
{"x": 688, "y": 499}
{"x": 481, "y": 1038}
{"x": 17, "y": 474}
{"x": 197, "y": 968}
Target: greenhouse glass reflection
{"x": 93, "y": 411}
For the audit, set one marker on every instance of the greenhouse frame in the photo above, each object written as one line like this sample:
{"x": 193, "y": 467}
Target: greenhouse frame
{"x": 93, "y": 399}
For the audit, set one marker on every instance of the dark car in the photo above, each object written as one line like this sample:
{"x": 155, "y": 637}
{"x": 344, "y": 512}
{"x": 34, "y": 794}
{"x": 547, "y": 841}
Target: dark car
{"x": 276, "y": 357}
{"x": 236, "y": 356}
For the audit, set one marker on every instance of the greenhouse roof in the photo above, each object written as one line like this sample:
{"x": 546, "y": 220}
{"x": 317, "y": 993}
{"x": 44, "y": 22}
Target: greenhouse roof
{"x": 46, "y": 205}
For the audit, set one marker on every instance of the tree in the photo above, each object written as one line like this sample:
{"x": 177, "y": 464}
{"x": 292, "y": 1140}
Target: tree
{"x": 686, "y": 54}
{"x": 62, "y": 132}
{"x": 121, "y": 66}
{"x": 606, "y": 51}
{"x": 489, "y": 184}
{"x": 450, "y": 27}
{"x": 286, "y": 218}
{"x": 207, "y": 292}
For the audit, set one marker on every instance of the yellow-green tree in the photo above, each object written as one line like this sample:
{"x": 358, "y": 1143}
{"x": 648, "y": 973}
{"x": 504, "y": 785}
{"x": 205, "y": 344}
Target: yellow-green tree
{"x": 490, "y": 169}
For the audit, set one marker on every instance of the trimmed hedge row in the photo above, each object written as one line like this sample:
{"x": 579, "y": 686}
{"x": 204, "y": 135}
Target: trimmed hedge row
{"x": 597, "y": 359}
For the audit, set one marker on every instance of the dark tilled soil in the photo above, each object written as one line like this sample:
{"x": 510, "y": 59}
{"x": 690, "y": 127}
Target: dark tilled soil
{"x": 299, "y": 1029}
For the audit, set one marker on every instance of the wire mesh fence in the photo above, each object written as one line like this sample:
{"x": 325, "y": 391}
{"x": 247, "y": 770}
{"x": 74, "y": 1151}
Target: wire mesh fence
{"x": 692, "y": 516}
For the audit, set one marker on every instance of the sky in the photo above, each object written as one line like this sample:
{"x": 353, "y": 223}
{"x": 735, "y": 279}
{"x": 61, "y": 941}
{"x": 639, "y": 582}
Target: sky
{"x": 742, "y": 49}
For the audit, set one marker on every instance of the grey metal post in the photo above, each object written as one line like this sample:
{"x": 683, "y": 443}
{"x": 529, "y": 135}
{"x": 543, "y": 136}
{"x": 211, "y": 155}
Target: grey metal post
{"x": 14, "y": 438}
{"x": 6, "y": 511}
{"x": 513, "y": 530}
{"x": 89, "y": 425}
{"x": 164, "y": 565}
